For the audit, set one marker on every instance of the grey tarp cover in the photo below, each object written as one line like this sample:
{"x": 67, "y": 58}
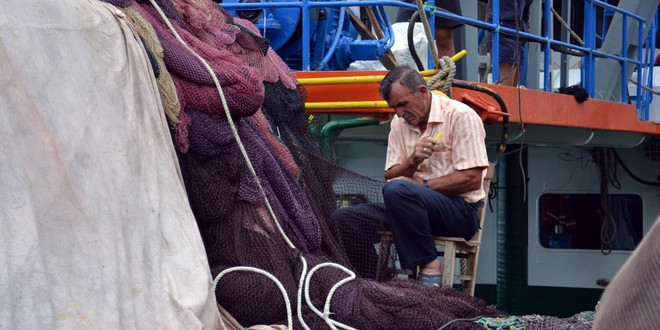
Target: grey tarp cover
{"x": 97, "y": 231}
{"x": 632, "y": 299}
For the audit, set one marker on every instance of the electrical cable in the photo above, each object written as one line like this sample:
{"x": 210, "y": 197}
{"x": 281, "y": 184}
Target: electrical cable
{"x": 631, "y": 174}
{"x": 459, "y": 320}
{"x": 501, "y": 148}
{"x": 411, "y": 43}
{"x": 411, "y": 46}
{"x": 516, "y": 56}
{"x": 492, "y": 194}
{"x": 607, "y": 160}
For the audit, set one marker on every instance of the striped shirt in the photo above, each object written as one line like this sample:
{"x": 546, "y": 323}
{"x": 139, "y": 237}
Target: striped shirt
{"x": 462, "y": 144}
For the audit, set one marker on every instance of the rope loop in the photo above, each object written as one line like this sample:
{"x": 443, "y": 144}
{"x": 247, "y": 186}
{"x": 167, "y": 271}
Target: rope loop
{"x": 443, "y": 79}
{"x": 289, "y": 315}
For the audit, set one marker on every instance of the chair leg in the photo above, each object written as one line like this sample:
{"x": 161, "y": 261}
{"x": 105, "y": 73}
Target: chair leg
{"x": 470, "y": 269}
{"x": 448, "y": 272}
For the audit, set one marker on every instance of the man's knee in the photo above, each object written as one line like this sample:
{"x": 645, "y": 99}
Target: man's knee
{"x": 392, "y": 189}
{"x": 444, "y": 34}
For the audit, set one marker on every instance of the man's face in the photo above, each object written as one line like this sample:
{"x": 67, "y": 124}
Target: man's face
{"x": 412, "y": 107}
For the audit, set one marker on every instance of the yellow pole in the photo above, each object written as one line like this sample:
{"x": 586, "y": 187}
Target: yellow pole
{"x": 346, "y": 105}
{"x": 454, "y": 58}
{"x": 365, "y": 79}
{"x": 353, "y": 104}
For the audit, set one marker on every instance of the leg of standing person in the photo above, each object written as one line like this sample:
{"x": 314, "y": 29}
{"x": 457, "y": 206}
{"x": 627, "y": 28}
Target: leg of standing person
{"x": 510, "y": 60}
{"x": 513, "y": 15}
{"x": 444, "y": 29}
{"x": 510, "y": 77}
{"x": 444, "y": 42}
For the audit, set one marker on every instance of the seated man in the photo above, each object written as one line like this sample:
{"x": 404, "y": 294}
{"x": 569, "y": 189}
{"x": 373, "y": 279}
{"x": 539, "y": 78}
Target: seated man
{"x": 436, "y": 162}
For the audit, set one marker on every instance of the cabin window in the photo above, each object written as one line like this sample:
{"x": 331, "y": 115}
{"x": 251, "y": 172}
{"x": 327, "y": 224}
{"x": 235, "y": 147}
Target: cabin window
{"x": 574, "y": 221}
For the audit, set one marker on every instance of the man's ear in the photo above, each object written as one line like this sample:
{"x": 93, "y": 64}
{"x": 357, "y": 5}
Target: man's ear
{"x": 423, "y": 89}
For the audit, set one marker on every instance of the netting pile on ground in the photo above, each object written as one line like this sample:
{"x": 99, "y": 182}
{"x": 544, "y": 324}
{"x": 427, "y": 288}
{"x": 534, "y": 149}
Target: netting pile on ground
{"x": 580, "y": 321}
{"x": 302, "y": 188}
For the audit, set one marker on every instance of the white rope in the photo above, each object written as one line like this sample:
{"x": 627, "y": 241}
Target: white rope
{"x": 325, "y": 315}
{"x": 222, "y": 321}
{"x": 304, "y": 279}
{"x": 644, "y": 87}
{"x": 289, "y": 317}
{"x": 300, "y": 290}
{"x": 229, "y": 120}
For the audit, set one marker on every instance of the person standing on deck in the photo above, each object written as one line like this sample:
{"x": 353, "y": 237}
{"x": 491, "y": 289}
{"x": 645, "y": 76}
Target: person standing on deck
{"x": 514, "y": 14}
{"x": 444, "y": 28}
{"x": 436, "y": 162}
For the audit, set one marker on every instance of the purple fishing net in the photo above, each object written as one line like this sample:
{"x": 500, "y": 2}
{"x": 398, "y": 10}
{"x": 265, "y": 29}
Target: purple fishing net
{"x": 303, "y": 188}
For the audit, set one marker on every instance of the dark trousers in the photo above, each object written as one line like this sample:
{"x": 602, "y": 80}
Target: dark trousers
{"x": 416, "y": 214}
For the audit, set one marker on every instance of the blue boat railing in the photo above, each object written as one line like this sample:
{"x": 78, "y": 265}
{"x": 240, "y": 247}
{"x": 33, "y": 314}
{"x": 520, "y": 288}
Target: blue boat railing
{"x": 641, "y": 63}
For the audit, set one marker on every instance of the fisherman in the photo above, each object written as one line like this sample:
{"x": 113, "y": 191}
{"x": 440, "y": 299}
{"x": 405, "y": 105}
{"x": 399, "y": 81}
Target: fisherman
{"x": 436, "y": 162}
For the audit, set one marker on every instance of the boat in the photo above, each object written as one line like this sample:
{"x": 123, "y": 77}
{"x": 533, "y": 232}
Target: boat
{"x": 547, "y": 248}
{"x": 117, "y": 174}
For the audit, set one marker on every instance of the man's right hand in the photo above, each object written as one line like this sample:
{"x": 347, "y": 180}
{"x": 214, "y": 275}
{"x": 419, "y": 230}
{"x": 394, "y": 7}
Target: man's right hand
{"x": 423, "y": 149}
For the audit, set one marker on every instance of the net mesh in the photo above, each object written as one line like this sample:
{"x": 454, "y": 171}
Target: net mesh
{"x": 325, "y": 211}
{"x": 580, "y": 321}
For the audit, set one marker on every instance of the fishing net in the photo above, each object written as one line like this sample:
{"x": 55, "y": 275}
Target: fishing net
{"x": 580, "y": 321}
{"x": 317, "y": 214}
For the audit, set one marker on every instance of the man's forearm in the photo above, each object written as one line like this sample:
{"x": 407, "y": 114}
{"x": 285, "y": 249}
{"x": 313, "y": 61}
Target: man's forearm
{"x": 457, "y": 182}
{"x": 406, "y": 169}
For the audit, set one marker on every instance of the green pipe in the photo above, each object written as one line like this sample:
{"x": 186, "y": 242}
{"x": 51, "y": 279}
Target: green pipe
{"x": 335, "y": 125}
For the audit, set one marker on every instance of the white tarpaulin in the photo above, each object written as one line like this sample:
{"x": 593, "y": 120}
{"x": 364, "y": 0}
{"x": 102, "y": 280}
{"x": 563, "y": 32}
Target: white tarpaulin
{"x": 96, "y": 231}
{"x": 400, "y": 49}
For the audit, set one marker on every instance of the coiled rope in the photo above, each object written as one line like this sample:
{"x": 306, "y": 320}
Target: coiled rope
{"x": 326, "y": 308}
{"x": 445, "y": 76}
{"x": 304, "y": 278}
{"x": 606, "y": 162}
{"x": 289, "y": 318}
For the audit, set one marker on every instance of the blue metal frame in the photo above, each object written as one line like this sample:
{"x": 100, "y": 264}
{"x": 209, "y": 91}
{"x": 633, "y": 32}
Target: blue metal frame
{"x": 305, "y": 6}
{"x": 590, "y": 34}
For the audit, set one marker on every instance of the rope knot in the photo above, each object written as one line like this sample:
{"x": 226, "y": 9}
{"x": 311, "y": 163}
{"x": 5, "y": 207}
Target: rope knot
{"x": 443, "y": 78}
